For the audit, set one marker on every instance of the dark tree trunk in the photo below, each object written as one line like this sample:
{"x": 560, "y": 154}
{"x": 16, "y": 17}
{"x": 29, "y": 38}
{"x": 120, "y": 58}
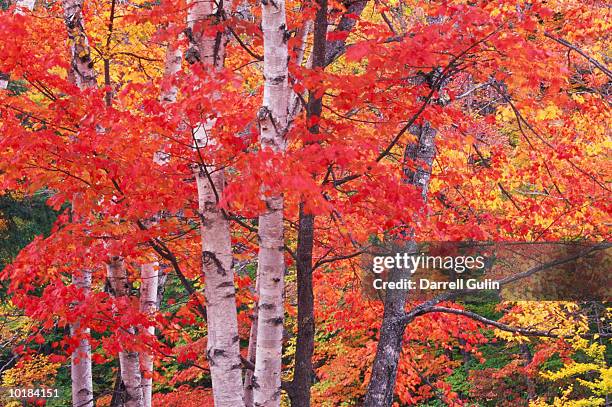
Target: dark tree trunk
{"x": 527, "y": 358}
{"x": 303, "y": 373}
{"x": 299, "y": 390}
{"x": 384, "y": 370}
{"x": 418, "y": 160}
{"x": 465, "y": 355}
{"x": 118, "y": 397}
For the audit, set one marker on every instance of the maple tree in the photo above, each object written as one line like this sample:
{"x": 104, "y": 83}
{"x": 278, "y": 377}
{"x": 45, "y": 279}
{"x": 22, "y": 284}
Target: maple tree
{"x": 220, "y": 169}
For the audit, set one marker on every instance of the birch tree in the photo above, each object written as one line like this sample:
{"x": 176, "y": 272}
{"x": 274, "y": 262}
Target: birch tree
{"x": 148, "y": 305}
{"x": 80, "y": 360}
{"x": 129, "y": 360}
{"x": 84, "y": 76}
{"x": 223, "y": 351}
{"x": 150, "y": 273}
{"x": 272, "y": 119}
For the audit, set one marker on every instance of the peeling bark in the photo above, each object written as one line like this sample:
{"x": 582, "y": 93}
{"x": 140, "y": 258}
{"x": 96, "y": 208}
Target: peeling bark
{"x": 81, "y": 62}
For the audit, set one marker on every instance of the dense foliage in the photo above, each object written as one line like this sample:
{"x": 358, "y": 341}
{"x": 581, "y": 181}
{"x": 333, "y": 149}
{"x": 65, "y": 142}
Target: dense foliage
{"x": 133, "y": 134}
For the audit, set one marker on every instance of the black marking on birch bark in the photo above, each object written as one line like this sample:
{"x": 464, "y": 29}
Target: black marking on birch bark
{"x": 276, "y": 280}
{"x": 275, "y": 321}
{"x": 237, "y": 366}
{"x": 203, "y": 220}
{"x": 235, "y": 339}
{"x": 209, "y": 257}
{"x": 286, "y": 33}
{"x": 266, "y": 2}
{"x": 192, "y": 55}
{"x": 277, "y": 80}
{"x": 210, "y": 359}
{"x": 219, "y": 352}
{"x": 225, "y": 284}
{"x": 262, "y": 125}
{"x": 254, "y": 384}
{"x": 81, "y": 75}
{"x": 108, "y": 287}
{"x": 210, "y": 206}
{"x": 189, "y": 34}
{"x": 217, "y": 47}
{"x": 263, "y": 113}
{"x": 84, "y": 392}
{"x": 267, "y": 306}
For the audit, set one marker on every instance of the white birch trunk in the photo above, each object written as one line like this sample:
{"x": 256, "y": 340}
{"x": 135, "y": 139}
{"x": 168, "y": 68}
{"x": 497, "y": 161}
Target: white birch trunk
{"x": 148, "y": 304}
{"x": 129, "y": 360}
{"x": 223, "y": 351}
{"x": 248, "y": 376}
{"x": 24, "y": 5}
{"x": 81, "y": 63}
{"x": 83, "y": 75}
{"x": 149, "y": 273}
{"x": 271, "y": 263}
{"x": 223, "y": 347}
{"x": 80, "y": 360}
{"x": 172, "y": 65}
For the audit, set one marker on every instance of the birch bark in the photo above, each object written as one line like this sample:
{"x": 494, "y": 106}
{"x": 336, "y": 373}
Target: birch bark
{"x": 149, "y": 273}
{"x": 223, "y": 347}
{"x": 248, "y": 376}
{"x": 272, "y": 118}
{"x": 80, "y": 360}
{"x": 128, "y": 360}
{"x": 25, "y": 5}
{"x": 84, "y": 76}
{"x": 81, "y": 64}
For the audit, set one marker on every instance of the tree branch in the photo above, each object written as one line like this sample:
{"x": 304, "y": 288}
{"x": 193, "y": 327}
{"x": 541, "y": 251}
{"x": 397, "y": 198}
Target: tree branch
{"x": 505, "y": 327}
{"x": 581, "y": 52}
